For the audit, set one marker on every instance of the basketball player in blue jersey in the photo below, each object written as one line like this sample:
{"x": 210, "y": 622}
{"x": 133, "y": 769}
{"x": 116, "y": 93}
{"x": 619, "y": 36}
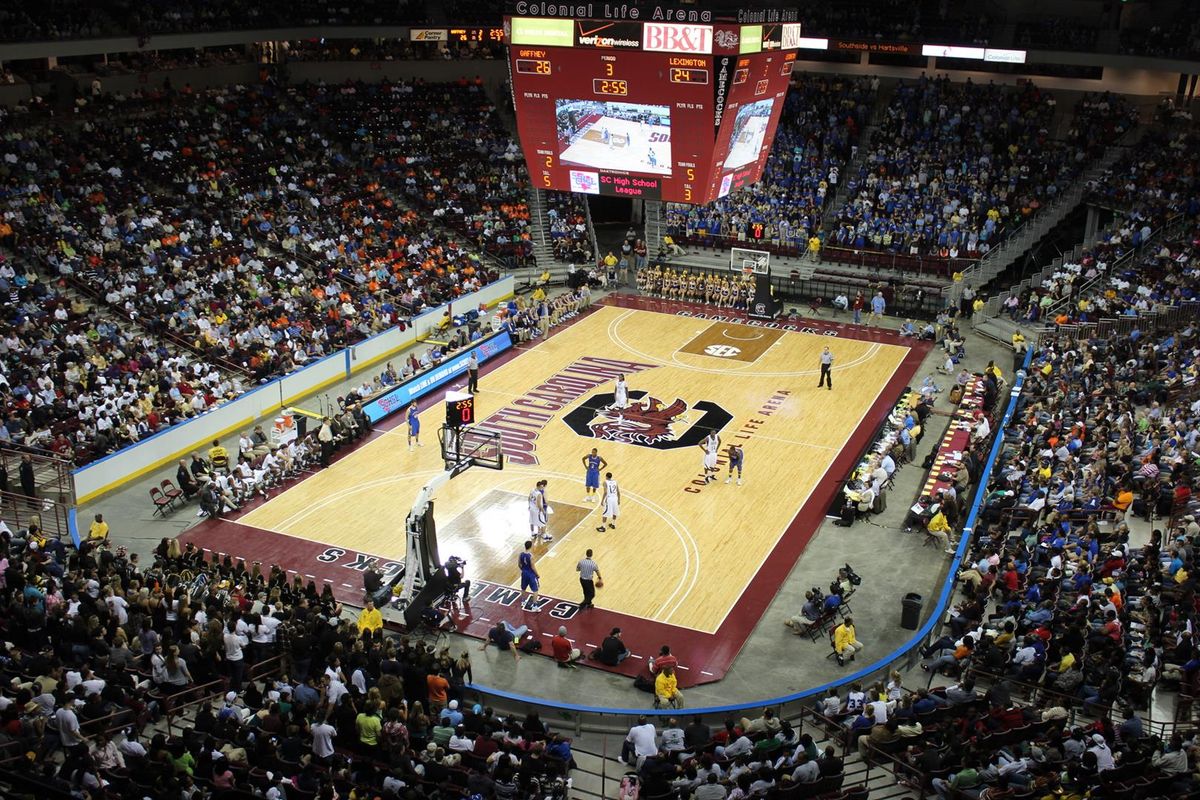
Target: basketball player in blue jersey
{"x": 530, "y": 580}
{"x": 736, "y": 458}
{"x": 414, "y": 427}
{"x": 592, "y": 464}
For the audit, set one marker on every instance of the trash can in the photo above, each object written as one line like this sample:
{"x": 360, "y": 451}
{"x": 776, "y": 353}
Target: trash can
{"x": 910, "y": 611}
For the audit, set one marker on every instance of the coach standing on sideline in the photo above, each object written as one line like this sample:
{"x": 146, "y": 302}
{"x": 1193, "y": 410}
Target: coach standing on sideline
{"x": 826, "y": 370}
{"x": 325, "y": 437}
{"x": 473, "y": 373}
{"x": 589, "y": 573}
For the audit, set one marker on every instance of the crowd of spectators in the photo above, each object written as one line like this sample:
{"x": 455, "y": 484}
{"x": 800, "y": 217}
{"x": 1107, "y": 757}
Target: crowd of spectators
{"x": 83, "y": 19}
{"x": 818, "y": 129}
{"x": 570, "y": 238}
{"x": 688, "y": 758}
{"x": 1154, "y": 180}
{"x": 1161, "y": 276}
{"x": 897, "y": 20}
{"x": 1151, "y": 188}
{"x": 74, "y": 381}
{"x": 953, "y": 167}
{"x": 221, "y": 224}
{"x": 1177, "y": 39}
{"x": 412, "y": 136}
{"x": 1058, "y": 606}
{"x": 1065, "y": 628}
{"x": 389, "y": 50}
{"x": 99, "y": 647}
{"x": 1059, "y": 33}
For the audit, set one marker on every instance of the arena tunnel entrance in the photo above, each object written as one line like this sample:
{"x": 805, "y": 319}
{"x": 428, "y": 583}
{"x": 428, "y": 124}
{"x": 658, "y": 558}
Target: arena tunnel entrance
{"x": 612, "y": 219}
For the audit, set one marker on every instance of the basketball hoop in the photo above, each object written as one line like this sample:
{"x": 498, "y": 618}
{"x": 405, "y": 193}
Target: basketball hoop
{"x": 750, "y": 262}
{"x": 468, "y": 446}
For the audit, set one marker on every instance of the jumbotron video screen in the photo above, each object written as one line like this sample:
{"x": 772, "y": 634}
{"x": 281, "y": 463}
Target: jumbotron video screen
{"x": 654, "y": 110}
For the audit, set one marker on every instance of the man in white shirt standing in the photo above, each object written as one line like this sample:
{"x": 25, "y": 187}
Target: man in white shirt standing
{"x": 234, "y": 658}
{"x": 322, "y": 740}
{"x": 68, "y": 727}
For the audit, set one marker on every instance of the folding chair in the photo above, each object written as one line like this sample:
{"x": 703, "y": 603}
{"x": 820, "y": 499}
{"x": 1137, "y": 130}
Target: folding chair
{"x": 819, "y": 625}
{"x": 162, "y": 503}
{"x": 169, "y": 489}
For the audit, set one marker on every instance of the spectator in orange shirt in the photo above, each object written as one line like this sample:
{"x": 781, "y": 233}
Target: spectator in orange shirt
{"x": 437, "y": 685}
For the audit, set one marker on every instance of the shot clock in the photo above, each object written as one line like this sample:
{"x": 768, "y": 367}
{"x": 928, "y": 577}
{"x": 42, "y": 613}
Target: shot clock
{"x": 460, "y": 409}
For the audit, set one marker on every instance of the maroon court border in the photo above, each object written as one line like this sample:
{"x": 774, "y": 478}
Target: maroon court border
{"x": 703, "y": 657}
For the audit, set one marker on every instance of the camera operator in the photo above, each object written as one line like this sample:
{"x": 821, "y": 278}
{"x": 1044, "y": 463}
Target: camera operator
{"x": 810, "y": 612}
{"x": 454, "y": 578}
{"x": 376, "y": 589}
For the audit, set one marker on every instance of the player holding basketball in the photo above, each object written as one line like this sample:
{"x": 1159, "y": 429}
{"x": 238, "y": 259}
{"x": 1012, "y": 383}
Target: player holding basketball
{"x": 711, "y": 446}
{"x": 621, "y": 393}
{"x": 612, "y": 503}
{"x": 539, "y": 512}
{"x": 530, "y": 580}
{"x": 414, "y": 427}
{"x": 592, "y": 464}
{"x": 736, "y": 457}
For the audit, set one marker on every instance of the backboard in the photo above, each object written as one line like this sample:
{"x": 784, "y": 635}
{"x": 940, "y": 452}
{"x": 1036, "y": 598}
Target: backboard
{"x": 749, "y": 262}
{"x": 469, "y": 446}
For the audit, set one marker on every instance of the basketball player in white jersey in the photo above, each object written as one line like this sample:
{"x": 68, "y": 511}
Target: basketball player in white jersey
{"x": 621, "y": 393}
{"x": 539, "y": 512}
{"x": 711, "y": 446}
{"x": 612, "y": 503}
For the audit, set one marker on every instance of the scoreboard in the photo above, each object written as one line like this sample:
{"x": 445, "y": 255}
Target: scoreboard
{"x": 655, "y": 110}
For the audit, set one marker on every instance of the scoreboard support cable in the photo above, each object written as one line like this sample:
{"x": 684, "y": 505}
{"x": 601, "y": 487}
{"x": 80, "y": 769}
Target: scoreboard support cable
{"x": 649, "y": 110}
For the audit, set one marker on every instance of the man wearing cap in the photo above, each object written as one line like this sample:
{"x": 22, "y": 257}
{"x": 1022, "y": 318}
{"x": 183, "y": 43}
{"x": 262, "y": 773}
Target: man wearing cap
{"x": 564, "y": 652}
{"x": 1104, "y": 756}
{"x": 1191, "y": 528}
{"x": 451, "y": 714}
{"x": 612, "y": 650}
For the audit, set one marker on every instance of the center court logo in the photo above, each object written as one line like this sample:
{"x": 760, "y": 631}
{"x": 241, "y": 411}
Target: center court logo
{"x": 723, "y": 351}
{"x": 647, "y": 421}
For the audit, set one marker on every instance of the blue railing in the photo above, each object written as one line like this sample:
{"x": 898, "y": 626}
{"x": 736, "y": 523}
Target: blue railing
{"x": 789, "y": 703}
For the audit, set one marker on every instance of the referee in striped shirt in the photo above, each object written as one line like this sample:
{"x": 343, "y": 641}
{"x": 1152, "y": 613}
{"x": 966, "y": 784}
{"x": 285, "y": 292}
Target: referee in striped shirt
{"x": 589, "y": 573}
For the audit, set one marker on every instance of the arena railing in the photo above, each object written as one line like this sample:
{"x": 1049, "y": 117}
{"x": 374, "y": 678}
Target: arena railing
{"x": 1168, "y": 229}
{"x": 931, "y": 266}
{"x": 603, "y": 719}
{"x": 195, "y": 696}
{"x": 1170, "y": 317}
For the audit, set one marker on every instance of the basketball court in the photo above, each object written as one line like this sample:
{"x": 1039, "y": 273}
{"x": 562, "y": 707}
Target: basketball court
{"x": 689, "y": 563}
{"x": 629, "y": 146}
{"x": 751, "y": 131}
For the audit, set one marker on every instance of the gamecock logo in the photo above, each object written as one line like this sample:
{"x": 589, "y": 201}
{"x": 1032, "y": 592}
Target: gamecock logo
{"x": 726, "y": 39}
{"x": 647, "y": 421}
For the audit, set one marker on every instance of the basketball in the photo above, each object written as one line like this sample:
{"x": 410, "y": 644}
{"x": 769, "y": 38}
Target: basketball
{"x": 599, "y": 584}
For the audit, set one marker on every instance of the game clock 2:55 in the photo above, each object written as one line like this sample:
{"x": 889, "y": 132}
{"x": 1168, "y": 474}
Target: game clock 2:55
{"x": 610, "y": 86}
